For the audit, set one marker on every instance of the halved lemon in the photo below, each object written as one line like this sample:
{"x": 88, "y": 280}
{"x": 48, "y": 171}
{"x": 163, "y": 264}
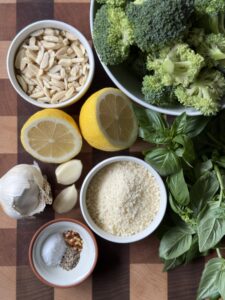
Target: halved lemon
{"x": 52, "y": 136}
{"x": 107, "y": 120}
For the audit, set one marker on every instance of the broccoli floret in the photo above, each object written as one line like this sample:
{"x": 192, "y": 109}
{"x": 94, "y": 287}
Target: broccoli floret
{"x": 158, "y": 22}
{"x": 156, "y": 93}
{"x": 204, "y": 93}
{"x": 177, "y": 65}
{"x": 114, "y": 3}
{"x": 112, "y": 35}
{"x": 210, "y": 14}
{"x": 213, "y": 49}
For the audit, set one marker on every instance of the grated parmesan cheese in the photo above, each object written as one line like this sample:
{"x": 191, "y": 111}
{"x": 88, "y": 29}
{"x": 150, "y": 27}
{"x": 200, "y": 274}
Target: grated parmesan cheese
{"x": 123, "y": 198}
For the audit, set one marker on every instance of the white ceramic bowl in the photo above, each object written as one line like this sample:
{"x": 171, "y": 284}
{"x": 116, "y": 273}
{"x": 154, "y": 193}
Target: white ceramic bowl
{"x": 56, "y": 276}
{"x": 136, "y": 237}
{"x": 131, "y": 86}
{"x": 22, "y": 35}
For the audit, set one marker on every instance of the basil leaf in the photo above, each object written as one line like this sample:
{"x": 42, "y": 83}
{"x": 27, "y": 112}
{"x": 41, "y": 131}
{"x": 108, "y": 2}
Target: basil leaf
{"x": 203, "y": 167}
{"x": 187, "y": 151}
{"x": 195, "y": 125}
{"x": 221, "y": 281}
{"x": 170, "y": 264}
{"x": 178, "y": 187}
{"x": 203, "y": 190}
{"x": 193, "y": 252}
{"x": 155, "y": 136}
{"x": 175, "y": 242}
{"x": 150, "y": 119}
{"x": 209, "y": 282}
{"x": 210, "y": 229}
{"x": 179, "y": 124}
{"x": 165, "y": 161}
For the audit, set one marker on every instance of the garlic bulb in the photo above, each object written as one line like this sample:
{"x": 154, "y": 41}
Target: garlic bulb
{"x": 24, "y": 191}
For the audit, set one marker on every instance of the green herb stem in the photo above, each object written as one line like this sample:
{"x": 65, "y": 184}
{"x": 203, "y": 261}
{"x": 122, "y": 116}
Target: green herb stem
{"x": 219, "y": 177}
{"x": 218, "y": 253}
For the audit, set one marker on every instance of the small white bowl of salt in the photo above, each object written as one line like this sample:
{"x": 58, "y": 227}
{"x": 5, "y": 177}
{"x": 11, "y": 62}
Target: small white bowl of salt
{"x": 63, "y": 253}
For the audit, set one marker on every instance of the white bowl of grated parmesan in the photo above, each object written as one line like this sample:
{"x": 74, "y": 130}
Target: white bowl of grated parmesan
{"x": 123, "y": 199}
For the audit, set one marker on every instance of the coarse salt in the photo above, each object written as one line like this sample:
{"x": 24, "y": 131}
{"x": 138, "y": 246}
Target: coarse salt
{"x": 123, "y": 198}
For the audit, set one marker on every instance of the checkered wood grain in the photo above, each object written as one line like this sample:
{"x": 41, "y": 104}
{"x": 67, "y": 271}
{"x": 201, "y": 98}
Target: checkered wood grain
{"x": 123, "y": 272}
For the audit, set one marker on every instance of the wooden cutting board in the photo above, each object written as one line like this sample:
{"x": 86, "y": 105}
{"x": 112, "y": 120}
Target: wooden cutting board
{"x": 123, "y": 272}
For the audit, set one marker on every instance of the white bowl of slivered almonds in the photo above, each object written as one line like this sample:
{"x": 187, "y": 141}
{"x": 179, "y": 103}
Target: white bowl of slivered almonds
{"x": 123, "y": 199}
{"x": 50, "y": 64}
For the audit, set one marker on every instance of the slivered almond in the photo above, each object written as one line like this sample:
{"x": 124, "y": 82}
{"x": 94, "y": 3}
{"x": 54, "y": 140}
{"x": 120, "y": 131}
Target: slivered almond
{"x": 49, "y": 31}
{"x": 56, "y": 76}
{"x": 78, "y": 59}
{"x": 19, "y": 57}
{"x": 61, "y": 52}
{"x": 45, "y": 61}
{"x": 70, "y": 36}
{"x": 57, "y": 83}
{"x": 65, "y": 62}
{"x": 48, "y": 45}
{"x": 37, "y": 32}
{"x": 69, "y": 93}
{"x": 51, "y": 59}
{"x": 37, "y": 95}
{"x": 31, "y": 55}
{"x": 77, "y": 50}
{"x": 58, "y": 96}
{"x": 51, "y": 38}
{"x": 43, "y": 99}
{"x": 22, "y": 83}
{"x": 55, "y": 69}
{"x": 24, "y": 62}
{"x": 40, "y": 55}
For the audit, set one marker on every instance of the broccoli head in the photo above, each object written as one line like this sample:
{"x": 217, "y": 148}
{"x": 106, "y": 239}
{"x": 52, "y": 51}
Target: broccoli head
{"x": 156, "y": 93}
{"x": 115, "y": 3}
{"x": 112, "y": 35}
{"x": 158, "y": 22}
{"x": 213, "y": 48}
{"x": 210, "y": 15}
{"x": 176, "y": 65}
{"x": 204, "y": 93}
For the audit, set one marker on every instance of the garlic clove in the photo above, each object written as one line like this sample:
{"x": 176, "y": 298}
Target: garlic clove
{"x": 65, "y": 200}
{"x": 69, "y": 172}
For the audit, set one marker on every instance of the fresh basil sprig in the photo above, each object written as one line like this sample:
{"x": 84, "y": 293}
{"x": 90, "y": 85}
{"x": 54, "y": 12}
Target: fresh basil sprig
{"x": 190, "y": 153}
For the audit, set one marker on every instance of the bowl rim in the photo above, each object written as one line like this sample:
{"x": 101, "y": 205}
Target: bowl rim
{"x": 108, "y": 236}
{"x": 53, "y": 23}
{"x": 31, "y": 248}
{"x": 169, "y": 111}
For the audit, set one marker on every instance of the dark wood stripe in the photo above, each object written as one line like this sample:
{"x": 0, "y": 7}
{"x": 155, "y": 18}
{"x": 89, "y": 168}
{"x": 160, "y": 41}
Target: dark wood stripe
{"x": 28, "y": 287}
{"x": 183, "y": 281}
{"x": 75, "y": 14}
{"x": 111, "y": 277}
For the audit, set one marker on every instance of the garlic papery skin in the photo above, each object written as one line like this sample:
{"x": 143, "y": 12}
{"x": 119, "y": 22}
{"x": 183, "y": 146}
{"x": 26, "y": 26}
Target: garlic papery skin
{"x": 24, "y": 191}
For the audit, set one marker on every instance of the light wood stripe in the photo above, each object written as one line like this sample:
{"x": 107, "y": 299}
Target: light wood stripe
{"x": 5, "y": 221}
{"x": 7, "y": 1}
{"x": 4, "y": 45}
{"x": 148, "y": 282}
{"x": 80, "y": 292}
{"x": 8, "y": 283}
{"x": 8, "y": 134}
{"x": 7, "y": 247}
